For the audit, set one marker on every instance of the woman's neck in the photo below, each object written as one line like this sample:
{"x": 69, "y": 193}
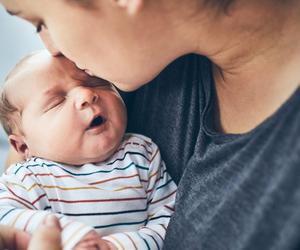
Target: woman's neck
{"x": 256, "y": 51}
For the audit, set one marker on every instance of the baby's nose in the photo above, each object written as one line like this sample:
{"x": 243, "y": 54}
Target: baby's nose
{"x": 84, "y": 97}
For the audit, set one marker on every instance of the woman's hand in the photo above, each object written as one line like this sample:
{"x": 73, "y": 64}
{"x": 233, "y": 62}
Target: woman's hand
{"x": 47, "y": 237}
{"x": 11, "y": 238}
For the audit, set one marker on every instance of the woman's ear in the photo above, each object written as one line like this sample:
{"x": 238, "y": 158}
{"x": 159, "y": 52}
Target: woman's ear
{"x": 132, "y": 6}
{"x": 18, "y": 143}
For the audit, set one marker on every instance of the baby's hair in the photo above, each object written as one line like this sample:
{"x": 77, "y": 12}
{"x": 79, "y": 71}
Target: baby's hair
{"x": 10, "y": 115}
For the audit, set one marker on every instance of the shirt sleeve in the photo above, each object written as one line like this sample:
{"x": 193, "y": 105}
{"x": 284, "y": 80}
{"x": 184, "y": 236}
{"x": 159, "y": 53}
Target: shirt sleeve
{"x": 23, "y": 202}
{"x": 161, "y": 192}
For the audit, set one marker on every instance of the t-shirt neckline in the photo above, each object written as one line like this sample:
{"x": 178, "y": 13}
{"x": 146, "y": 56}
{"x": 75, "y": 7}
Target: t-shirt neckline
{"x": 224, "y": 137}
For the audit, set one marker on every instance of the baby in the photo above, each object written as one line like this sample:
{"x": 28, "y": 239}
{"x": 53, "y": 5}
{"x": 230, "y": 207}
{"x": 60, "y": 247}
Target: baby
{"x": 110, "y": 190}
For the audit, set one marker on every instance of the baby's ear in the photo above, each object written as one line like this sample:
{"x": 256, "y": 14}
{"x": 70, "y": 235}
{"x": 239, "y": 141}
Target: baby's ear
{"x": 18, "y": 143}
{"x": 131, "y": 6}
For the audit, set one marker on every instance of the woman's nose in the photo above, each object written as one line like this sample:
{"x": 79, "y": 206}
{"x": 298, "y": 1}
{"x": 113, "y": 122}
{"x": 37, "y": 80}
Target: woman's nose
{"x": 48, "y": 42}
{"x": 83, "y": 97}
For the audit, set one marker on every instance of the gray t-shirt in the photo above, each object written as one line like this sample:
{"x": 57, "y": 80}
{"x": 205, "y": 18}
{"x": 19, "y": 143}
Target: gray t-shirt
{"x": 235, "y": 191}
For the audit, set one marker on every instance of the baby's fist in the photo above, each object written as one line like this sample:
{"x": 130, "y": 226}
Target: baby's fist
{"x": 92, "y": 241}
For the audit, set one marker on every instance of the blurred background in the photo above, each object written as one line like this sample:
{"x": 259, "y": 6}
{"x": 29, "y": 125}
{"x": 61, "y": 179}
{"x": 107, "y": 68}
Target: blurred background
{"x": 18, "y": 38}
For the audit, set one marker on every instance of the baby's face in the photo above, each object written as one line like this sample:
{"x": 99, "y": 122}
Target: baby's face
{"x": 67, "y": 116}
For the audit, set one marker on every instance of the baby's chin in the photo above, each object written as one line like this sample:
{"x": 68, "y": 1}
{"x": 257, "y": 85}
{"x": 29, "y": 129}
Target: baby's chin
{"x": 91, "y": 154}
{"x": 96, "y": 158}
{"x": 81, "y": 161}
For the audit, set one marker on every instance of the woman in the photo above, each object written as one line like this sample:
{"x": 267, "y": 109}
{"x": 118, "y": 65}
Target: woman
{"x": 227, "y": 126}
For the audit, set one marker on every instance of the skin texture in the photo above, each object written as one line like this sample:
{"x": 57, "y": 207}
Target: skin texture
{"x": 55, "y": 121}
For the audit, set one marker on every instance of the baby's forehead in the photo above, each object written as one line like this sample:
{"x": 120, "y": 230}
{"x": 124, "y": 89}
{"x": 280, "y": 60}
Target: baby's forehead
{"x": 30, "y": 72}
{"x": 40, "y": 65}
{"x": 14, "y": 89}
{"x": 41, "y": 71}
{"x": 42, "y": 61}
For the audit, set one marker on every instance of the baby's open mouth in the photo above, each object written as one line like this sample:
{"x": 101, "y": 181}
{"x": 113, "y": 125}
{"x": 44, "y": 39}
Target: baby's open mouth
{"x": 96, "y": 122}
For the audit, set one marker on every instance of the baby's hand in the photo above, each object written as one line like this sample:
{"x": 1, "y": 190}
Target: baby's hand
{"x": 92, "y": 241}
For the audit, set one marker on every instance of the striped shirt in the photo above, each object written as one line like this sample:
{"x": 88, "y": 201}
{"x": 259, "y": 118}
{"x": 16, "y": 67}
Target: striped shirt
{"x": 128, "y": 199}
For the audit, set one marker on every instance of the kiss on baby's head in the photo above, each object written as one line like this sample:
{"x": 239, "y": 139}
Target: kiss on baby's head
{"x": 51, "y": 109}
